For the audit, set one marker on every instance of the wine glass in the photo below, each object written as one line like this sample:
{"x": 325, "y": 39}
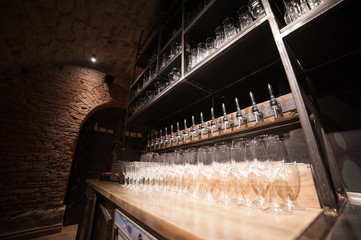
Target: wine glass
{"x": 247, "y": 170}
{"x": 162, "y": 171}
{"x": 206, "y": 160}
{"x": 178, "y": 171}
{"x": 147, "y": 170}
{"x": 137, "y": 175}
{"x": 193, "y": 166}
{"x": 167, "y": 175}
{"x": 276, "y": 155}
{"x": 223, "y": 164}
{"x": 290, "y": 184}
{"x": 260, "y": 182}
{"x": 156, "y": 172}
{"x": 171, "y": 173}
{"x": 125, "y": 174}
{"x": 131, "y": 174}
{"x": 187, "y": 178}
{"x": 238, "y": 160}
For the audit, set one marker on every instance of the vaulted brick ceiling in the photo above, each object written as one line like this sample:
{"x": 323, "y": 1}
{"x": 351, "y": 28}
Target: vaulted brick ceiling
{"x": 36, "y": 32}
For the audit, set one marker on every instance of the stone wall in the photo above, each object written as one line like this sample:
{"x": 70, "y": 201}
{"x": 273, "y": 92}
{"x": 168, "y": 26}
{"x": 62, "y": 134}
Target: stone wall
{"x": 69, "y": 31}
{"x": 41, "y": 113}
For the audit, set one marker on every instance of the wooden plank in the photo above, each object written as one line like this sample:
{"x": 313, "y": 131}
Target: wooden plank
{"x": 288, "y": 113}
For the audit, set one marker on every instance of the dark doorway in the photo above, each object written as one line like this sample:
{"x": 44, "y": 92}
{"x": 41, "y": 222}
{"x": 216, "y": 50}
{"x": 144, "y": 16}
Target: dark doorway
{"x": 97, "y": 144}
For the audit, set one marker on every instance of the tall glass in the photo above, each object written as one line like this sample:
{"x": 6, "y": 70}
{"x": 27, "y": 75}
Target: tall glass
{"x": 276, "y": 155}
{"x": 194, "y": 56}
{"x": 238, "y": 161}
{"x": 290, "y": 185}
{"x": 210, "y": 45}
{"x": 168, "y": 172}
{"x": 156, "y": 172}
{"x": 148, "y": 170}
{"x": 244, "y": 17}
{"x": 201, "y": 51}
{"x": 256, "y": 8}
{"x": 174, "y": 49}
{"x": 189, "y": 62}
{"x": 223, "y": 164}
{"x": 220, "y": 38}
{"x": 131, "y": 170}
{"x": 193, "y": 168}
{"x": 207, "y": 162}
{"x": 229, "y": 28}
{"x": 179, "y": 168}
{"x": 125, "y": 171}
{"x": 260, "y": 182}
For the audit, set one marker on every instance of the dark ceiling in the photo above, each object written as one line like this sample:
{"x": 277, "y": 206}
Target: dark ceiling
{"x": 37, "y": 32}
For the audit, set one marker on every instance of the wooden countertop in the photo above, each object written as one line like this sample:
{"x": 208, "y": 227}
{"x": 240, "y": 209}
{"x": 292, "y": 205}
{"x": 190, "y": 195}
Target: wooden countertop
{"x": 176, "y": 217}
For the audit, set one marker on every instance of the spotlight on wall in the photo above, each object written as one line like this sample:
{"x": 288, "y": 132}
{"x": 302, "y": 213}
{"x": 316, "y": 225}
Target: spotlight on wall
{"x": 93, "y": 58}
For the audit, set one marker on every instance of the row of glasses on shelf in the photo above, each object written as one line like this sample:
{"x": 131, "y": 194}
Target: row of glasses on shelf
{"x": 175, "y": 48}
{"x": 148, "y": 74}
{"x": 296, "y": 8}
{"x": 223, "y": 34}
{"x": 249, "y": 173}
{"x": 159, "y": 85}
{"x": 203, "y": 129}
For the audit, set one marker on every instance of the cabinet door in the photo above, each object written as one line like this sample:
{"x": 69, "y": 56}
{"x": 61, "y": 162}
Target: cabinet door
{"x": 103, "y": 224}
{"x": 86, "y": 222}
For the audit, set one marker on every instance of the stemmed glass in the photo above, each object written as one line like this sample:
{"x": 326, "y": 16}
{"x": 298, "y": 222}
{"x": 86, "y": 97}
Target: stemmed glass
{"x": 138, "y": 174}
{"x": 206, "y": 160}
{"x": 166, "y": 172}
{"x": 223, "y": 164}
{"x": 178, "y": 171}
{"x": 246, "y": 171}
{"x": 162, "y": 170}
{"x": 171, "y": 172}
{"x": 238, "y": 162}
{"x": 193, "y": 166}
{"x": 260, "y": 182}
{"x": 131, "y": 174}
{"x": 156, "y": 172}
{"x": 184, "y": 172}
{"x": 290, "y": 184}
{"x": 147, "y": 170}
{"x": 125, "y": 171}
{"x": 276, "y": 153}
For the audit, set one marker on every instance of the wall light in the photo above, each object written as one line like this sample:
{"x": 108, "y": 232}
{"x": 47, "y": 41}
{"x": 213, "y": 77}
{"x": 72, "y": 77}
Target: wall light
{"x": 93, "y": 58}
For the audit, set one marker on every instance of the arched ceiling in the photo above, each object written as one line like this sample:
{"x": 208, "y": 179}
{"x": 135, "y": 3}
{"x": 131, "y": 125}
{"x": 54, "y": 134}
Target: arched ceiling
{"x": 36, "y": 32}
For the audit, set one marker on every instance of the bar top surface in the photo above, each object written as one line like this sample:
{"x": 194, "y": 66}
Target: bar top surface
{"x": 176, "y": 217}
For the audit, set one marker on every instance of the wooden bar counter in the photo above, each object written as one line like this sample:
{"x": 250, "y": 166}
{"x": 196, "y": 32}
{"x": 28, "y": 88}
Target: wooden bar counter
{"x": 175, "y": 217}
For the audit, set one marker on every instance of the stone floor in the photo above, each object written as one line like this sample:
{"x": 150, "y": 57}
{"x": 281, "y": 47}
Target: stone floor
{"x": 68, "y": 233}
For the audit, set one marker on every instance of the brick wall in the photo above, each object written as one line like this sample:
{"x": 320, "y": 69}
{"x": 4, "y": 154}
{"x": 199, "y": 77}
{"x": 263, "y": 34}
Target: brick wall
{"x": 41, "y": 112}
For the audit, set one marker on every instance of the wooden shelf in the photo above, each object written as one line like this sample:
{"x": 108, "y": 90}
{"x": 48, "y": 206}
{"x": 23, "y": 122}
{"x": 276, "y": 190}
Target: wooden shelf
{"x": 288, "y": 117}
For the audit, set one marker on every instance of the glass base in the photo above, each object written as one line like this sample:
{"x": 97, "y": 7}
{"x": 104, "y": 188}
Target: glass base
{"x": 289, "y": 205}
{"x": 261, "y": 203}
{"x": 210, "y": 198}
{"x": 276, "y": 209}
{"x": 248, "y": 205}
